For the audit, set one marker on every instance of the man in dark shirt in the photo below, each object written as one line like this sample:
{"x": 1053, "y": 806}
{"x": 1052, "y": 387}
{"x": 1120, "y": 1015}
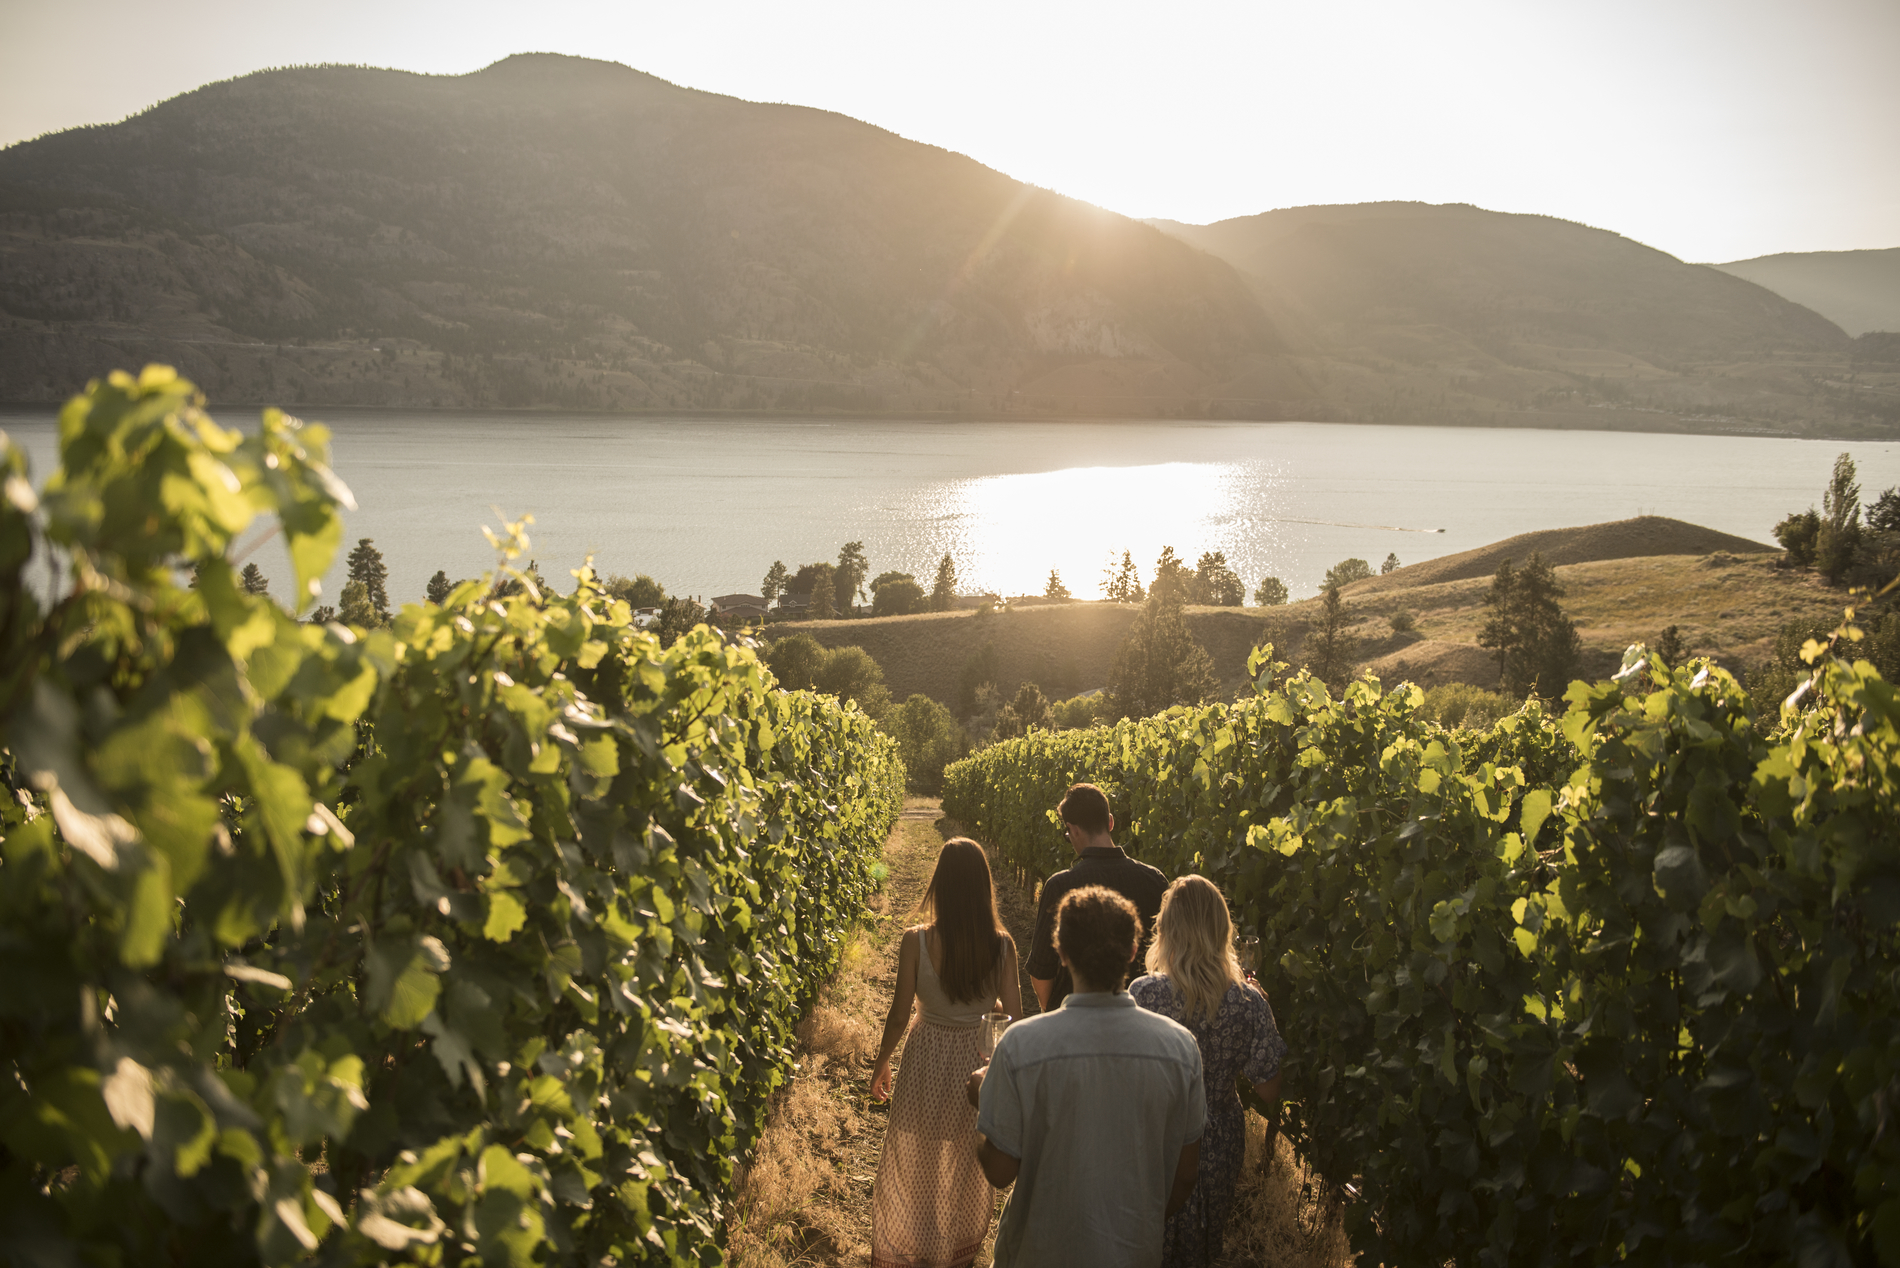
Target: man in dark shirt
{"x": 1099, "y": 861}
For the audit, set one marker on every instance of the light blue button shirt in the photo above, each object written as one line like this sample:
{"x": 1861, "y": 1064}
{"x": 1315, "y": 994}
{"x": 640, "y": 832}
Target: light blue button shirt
{"x": 1097, "y": 1099}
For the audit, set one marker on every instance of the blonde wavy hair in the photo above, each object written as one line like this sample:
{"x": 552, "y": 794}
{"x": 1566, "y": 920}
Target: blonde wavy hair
{"x": 1194, "y": 946}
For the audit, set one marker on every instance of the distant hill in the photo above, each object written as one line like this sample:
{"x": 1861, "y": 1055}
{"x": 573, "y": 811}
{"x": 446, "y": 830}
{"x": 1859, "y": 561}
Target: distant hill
{"x": 557, "y": 231}
{"x": 1641, "y": 537}
{"x": 1461, "y": 315}
{"x": 1857, "y": 290}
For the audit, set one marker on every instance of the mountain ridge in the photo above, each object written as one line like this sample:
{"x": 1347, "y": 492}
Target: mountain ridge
{"x": 1857, "y": 290}
{"x": 556, "y": 232}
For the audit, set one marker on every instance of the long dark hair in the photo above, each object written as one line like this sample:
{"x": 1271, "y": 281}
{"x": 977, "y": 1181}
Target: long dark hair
{"x": 961, "y": 901}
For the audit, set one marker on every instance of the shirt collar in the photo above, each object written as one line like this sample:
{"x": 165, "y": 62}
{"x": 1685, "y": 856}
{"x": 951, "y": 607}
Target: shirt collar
{"x": 1098, "y": 999}
{"x": 1103, "y": 852}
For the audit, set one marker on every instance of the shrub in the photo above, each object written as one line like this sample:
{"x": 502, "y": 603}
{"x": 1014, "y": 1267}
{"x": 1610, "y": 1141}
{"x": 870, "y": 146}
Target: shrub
{"x": 1459, "y": 704}
{"x": 928, "y": 739}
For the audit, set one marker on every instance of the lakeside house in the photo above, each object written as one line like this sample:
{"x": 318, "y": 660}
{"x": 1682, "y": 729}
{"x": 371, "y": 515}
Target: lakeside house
{"x": 737, "y": 608}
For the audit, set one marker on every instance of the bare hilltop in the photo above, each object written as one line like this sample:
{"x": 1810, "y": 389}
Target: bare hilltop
{"x": 559, "y": 233}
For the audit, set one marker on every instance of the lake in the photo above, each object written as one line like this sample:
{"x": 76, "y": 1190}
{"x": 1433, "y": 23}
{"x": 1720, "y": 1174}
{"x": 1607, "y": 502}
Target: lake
{"x": 706, "y": 505}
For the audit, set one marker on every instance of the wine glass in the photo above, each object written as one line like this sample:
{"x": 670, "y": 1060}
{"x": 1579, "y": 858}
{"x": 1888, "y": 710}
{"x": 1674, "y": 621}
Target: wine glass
{"x": 1247, "y": 951}
{"x": 989, "y": 1029}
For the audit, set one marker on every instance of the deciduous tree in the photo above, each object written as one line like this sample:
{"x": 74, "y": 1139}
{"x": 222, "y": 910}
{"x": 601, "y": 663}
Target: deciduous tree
{"x": 897, "y": 594}
{"x": 822, "y": 608}
{"x": 637, "y": 592}
{"x": 1216, "y": 584}
{"x": 774, "y": 584}
{"x": 928, "y": 739}
{"x": 1345, "y": 572}
{"x": 1797, "y": 533}
{"x": 849, "y": 578}
{"x": 1840, "y": 521}
{"x": 1270, "y": 593}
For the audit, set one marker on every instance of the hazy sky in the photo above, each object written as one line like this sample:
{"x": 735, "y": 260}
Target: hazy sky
{"x": 1713, "y": 129}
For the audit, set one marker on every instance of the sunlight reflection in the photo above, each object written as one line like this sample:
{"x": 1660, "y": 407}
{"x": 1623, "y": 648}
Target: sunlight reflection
{"x": 1008, "y": 531}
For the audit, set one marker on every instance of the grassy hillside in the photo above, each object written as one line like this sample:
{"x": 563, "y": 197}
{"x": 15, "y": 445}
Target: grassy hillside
{"x": 1858, "y": 291}
{"x": 1454, "y": 314}
{"x": 1625, "y": 582}
{"x": 559, "y": 231}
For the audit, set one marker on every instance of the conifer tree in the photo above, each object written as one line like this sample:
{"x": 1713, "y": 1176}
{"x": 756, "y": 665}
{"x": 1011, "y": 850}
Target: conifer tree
{"x": 1391, "y": 563}
{"x": 1123, "y": 585}
{"x": 1331, "y": 648}
{"x": 1537, "y": 645}
{"x": 943, "y": 595}
{"x": 1055, "y": 589}
{"x": 253, "y": 581}
{"x": 1159, "y": 664}
{"x": 366, "y": 566}
{"x": 440, "y": 587}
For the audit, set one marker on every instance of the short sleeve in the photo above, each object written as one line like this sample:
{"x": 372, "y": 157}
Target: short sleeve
{"x": 999, "y": 1114}
{"x": 1265, "y": 1049}
{"x": 1043, "y": 961}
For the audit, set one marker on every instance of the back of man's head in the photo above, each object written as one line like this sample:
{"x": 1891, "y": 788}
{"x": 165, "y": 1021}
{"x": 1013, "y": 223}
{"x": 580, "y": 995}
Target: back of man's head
{"x": 1086, "y": 806}
{"x": 1096, "y": 931}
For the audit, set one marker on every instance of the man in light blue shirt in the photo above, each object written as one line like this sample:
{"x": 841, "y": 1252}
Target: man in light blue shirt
{"x": 1095, "y": 1110}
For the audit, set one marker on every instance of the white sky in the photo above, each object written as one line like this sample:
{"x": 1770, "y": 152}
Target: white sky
{"x": 1713, "y": 129}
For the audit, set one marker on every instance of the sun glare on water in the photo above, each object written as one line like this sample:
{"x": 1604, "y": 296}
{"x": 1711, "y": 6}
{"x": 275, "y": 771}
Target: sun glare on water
{"x": 1008, "y": 531}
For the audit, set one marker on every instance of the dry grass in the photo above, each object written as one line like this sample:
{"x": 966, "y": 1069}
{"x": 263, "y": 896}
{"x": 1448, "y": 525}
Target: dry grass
{"x": 805, "y": 1197}
{"x": 1726, "y": 595}
{"x": 1283, "y": 1215}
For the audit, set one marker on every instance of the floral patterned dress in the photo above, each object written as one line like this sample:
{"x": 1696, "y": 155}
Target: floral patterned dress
{"x": 1240, "y": 1039}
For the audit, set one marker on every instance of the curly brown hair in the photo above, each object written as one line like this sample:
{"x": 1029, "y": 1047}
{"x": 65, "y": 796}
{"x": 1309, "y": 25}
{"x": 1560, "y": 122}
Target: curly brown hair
{"x": 1086, "y": 806}
{"x": 1096, "y": 931}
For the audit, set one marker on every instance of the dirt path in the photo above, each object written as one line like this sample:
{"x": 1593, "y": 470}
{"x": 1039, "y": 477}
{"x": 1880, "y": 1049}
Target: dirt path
{"x": 805, "y": 1200}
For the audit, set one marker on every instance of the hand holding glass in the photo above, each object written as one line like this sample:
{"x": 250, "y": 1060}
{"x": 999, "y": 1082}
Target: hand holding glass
{"x": 989, "y": 1029}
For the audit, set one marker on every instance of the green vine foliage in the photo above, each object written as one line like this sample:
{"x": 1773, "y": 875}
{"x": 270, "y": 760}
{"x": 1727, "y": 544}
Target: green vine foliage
{"x": 477, "y": 939}
{"x": 1615, "y": 985}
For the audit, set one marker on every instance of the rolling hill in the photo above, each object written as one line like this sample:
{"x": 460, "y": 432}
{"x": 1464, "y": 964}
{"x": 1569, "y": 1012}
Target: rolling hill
{"x": 1460, "y": 315}
{"x": 1625, "y": 582}
{"x": 1859, "y": 291}
{"x": 557, "y": 231}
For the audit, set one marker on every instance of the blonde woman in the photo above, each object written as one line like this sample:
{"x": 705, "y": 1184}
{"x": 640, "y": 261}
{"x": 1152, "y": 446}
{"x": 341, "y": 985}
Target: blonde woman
{"x": 931, "y": 1204}
{"x": 1194, "y": 978}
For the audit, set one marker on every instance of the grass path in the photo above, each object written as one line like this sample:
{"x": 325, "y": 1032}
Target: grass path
{"x": 805, "y": 1199}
